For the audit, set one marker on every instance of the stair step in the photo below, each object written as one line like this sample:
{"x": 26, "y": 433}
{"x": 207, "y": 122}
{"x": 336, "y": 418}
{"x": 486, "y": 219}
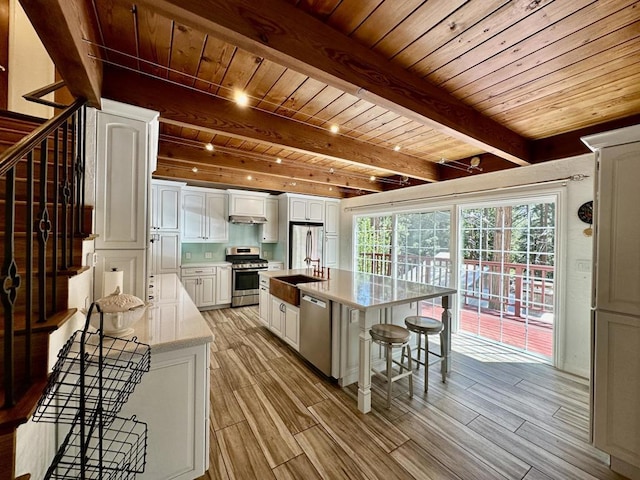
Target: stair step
{"x": 20, "y": 413}
{"x": 53, "y": 322}
{"x": 21, "y": 210}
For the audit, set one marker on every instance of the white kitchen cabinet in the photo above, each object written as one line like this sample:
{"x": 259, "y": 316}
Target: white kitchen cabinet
{"x": 200, "y": 283}
{"x": 331, "y": 251}
{"x": 284, "y": 321}
{"x": 173, "y": 400}
{"x": 264, "y": 302}
{"x": 223, "y": 287}
{"x": 276, "y": 317}
{"x": 164, "y": 253}
{"x": 131, "y": 262}
{"x": 332, "y": 217}
{"x": 306, "y": 210}
{"x": 122, "y": 161}
{"x": 204, "y": 216}
{"x": 247, "y": 204}
{"x": 616, "y": 319}
{"x": 166, "y": 205}
{"x": 269, "y": 230}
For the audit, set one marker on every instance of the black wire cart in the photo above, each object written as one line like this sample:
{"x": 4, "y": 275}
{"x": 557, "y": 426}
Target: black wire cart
{"x": 91, "y": 380}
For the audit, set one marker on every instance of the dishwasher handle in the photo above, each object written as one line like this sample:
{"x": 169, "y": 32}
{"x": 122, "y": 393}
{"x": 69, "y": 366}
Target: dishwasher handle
{"x": 315, "y": 301}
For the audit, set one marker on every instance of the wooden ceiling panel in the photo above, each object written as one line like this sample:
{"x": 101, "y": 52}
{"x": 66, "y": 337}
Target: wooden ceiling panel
{"x": 570, "y": 50}
{"x": 351, "y": 13}
{"x": 421, "y": 21}
{"x": 116, "y": 20}
{"x": 440, "y": 78}
{"x": 540, "y": 20}
{"x": 154, "y": 40}
{"x": 213, "y": 65}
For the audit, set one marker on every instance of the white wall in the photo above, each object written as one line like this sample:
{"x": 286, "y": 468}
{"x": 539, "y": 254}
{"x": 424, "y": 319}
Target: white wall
{"x": 573, "y": 319}
{"x": 30, "y": 67}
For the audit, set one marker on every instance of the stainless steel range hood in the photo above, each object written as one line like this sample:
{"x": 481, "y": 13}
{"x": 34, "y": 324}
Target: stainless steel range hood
{"x": 246, "y": 219}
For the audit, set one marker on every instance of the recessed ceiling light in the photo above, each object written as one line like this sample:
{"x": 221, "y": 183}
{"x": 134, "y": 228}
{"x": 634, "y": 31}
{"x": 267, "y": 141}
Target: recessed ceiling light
{"x": 194, "y": 169}
{"x": 242, "y": 99}
{"x": 249, "y": 177}
{"x": 330, "y": 189}
{"x": 334, "y": 128}
{"x": 372, "y": 178}
{"x": 396, "y": 148}
{"x": 278, "y": 160}
{"x": 209, "y": 147}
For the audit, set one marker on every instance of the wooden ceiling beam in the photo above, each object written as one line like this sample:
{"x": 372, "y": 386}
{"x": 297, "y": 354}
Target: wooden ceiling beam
{"x": 277, "y": 30}
{"x": 232, "y": 178}
{"x": 243, "y": 161}
{"x": 569, "y": 144}
{"x": 62, "y": 25}
{"x": 185, "y": 107}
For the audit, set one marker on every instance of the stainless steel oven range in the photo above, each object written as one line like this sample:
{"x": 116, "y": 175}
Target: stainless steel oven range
{"x": 245, "y": 265}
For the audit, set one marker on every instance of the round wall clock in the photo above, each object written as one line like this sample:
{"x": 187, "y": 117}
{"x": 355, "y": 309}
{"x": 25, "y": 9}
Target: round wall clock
{"x": 585, "y": 212}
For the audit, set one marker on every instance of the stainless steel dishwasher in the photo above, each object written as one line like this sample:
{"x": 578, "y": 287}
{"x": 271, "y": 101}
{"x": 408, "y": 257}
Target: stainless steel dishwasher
{"x": 315, "y": 332}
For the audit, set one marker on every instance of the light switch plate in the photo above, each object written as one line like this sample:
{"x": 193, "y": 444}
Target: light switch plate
{"x": 208, "y": 255}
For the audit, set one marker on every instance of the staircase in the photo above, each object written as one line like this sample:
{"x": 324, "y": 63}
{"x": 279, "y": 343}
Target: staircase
{"x": 43, "y": 221}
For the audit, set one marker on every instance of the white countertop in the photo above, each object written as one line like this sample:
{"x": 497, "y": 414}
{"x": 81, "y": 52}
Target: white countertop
{"x": 172, "y": 320}
{"x": 363, "y": 290}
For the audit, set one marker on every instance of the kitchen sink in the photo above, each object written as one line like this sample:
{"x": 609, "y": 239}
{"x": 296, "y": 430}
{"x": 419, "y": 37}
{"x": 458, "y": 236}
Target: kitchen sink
{"x": 297, "y": 279}
{"x": 285, "y": 287}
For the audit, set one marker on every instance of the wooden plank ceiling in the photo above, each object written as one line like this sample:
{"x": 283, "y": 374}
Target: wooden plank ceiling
{"x": 420, "y": 90}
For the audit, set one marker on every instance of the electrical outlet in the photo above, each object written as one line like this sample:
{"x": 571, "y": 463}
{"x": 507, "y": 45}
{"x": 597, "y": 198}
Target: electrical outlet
{"x": 208, "y": 255}
{"x": 187, "y": 255}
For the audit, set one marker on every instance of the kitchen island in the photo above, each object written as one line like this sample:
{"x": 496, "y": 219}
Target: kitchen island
{"x": 173, "y": 397}
{"x": 371, "y": 297}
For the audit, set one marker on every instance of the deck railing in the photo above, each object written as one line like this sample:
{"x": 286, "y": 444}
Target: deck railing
{"x": 50, "y": 214}
{"x": 512, "y": 288}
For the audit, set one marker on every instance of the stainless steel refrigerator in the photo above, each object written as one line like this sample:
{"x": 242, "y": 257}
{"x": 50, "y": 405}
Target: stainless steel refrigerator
{"x": 305, "y": 244}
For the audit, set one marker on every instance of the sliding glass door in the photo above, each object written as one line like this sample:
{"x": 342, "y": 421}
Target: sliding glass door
{"x": 507, "y": 273}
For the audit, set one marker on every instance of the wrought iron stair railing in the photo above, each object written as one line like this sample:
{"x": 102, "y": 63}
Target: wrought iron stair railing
{"x": 43, "y": 216}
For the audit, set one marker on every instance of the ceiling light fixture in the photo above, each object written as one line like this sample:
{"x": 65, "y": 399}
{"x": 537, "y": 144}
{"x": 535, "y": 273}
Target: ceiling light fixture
{"x": 249, "y": 177}
{"x": 396, "y": 148}
{"x": 372, "y": 178}
{"x": 209, "y": 147}
{"x": 194, "y": 169}
{"x": 334, "y": 128}
{"x": 278, "y": 160}
{"x": 241, "y": 98}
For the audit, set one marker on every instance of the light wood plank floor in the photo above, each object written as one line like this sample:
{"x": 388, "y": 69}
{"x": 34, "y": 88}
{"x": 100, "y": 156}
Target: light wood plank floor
{"x": 501, "y": 415}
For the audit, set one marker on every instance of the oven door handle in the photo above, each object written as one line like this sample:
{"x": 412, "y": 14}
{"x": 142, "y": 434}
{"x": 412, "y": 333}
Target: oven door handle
{"x": 249, "y": 270}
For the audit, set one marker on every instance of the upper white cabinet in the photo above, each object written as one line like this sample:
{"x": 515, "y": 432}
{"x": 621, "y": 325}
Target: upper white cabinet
{"x": 306, "y": 210}
{"x": 332, "y": 217}
{"x": 166, "y": 205}
{"x": 204, "y": 216}
{"x": 123, "y": 150}
{"x": 247, "y": 204}
{"x": 269, "y": 230}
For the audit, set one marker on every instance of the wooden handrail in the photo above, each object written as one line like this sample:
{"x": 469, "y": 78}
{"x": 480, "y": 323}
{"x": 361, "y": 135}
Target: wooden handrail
{"x": 12, "y": 155}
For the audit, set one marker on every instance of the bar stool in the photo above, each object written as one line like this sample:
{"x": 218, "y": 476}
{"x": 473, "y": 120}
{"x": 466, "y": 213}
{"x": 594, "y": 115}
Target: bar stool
{"x": 390, "y": 337}
{"x": 428, "y": 326}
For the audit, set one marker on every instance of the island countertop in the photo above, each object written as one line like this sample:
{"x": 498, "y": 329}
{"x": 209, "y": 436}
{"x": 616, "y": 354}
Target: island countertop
{"x": 172, "y": 321}
{"x": 363, "y": 290}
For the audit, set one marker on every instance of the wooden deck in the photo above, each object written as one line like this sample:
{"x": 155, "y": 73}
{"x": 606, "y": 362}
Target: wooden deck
{"x": 534, "y": 337}
{"x": 501, "y": 415}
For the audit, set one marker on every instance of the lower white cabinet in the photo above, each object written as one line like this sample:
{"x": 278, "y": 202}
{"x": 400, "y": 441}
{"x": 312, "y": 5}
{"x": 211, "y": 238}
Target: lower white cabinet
{"x": 208, "y": 286}
{"x": 264, "y": 305}
{"x": 284, "y": 321}
{"x": 173, "y": 399}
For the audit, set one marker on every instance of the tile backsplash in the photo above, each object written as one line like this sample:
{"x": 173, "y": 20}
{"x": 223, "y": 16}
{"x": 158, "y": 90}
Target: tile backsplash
{"x": 240, "y": 235}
